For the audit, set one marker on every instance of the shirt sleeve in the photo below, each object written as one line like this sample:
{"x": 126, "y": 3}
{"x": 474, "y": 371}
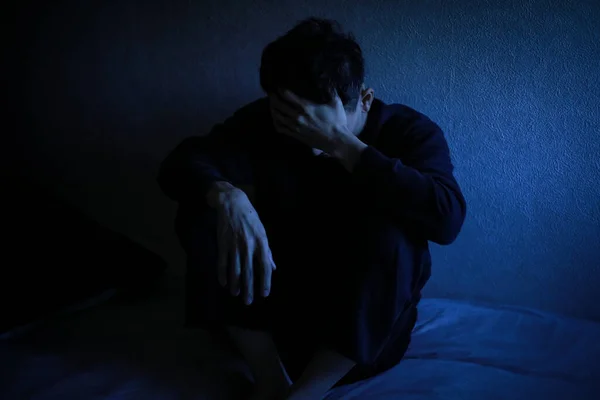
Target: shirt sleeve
{"x": 197, "y": 162}
{"x": 411, "y": 177}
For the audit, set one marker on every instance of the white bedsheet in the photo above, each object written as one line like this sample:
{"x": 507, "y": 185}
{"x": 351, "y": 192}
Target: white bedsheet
{"x": 465, "y": 351}
{"x": 459, "y": 351}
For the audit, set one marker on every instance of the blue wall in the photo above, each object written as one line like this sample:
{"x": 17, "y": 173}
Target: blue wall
{"x": 105, "y": 91}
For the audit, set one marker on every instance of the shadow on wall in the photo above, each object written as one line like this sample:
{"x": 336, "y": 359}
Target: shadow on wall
{"x": 107, "y": 89}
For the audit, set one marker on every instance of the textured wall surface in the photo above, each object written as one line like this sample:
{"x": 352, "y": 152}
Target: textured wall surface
{"x": 105, "y": 89}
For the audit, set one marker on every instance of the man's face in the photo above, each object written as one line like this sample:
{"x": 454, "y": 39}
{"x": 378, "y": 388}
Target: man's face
{"x": 357, "y": 117}
{"x": 353, "y": 116}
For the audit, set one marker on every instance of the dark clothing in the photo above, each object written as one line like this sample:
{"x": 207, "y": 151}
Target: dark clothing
{"x": 351, "y": 249}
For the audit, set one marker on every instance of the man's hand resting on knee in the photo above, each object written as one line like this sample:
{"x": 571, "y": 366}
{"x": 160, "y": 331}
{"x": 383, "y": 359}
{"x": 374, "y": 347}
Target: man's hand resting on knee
{"x": 244, "y": 253}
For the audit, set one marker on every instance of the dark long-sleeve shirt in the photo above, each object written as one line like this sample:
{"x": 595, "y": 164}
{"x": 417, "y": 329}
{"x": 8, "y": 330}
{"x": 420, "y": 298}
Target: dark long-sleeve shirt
{"x": 405, "y": 173}
{"x": 351, "y": 247}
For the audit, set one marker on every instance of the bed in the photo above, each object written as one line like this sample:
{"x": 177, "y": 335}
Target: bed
{"x": 135, "y": 348}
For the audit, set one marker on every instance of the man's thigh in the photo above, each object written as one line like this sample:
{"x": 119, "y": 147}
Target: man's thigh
{"x": 363, "y": 244}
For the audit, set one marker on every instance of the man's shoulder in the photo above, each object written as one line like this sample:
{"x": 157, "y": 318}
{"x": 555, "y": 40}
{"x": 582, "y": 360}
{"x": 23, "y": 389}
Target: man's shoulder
{"x": 401, "y": 128}
{"x": 400, "y": 123}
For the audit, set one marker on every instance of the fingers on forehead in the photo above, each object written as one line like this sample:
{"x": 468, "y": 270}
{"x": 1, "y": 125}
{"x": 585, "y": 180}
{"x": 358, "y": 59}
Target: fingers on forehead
{"x": 290, "y": 96}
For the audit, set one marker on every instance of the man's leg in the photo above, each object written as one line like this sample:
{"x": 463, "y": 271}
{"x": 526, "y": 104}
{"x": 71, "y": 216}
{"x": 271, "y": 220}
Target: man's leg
{"x": 209, "y": 306}
{"x": 324, "y": 370}
{"x": 365, "y": 287}
{"x": 259, "y": 350}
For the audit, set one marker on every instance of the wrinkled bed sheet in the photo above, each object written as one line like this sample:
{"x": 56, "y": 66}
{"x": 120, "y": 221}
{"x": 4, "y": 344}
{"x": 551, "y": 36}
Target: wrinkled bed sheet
{"x": 138, "y": 350}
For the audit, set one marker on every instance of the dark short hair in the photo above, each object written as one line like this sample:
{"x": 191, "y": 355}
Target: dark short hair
{"x": 315, "y": 60}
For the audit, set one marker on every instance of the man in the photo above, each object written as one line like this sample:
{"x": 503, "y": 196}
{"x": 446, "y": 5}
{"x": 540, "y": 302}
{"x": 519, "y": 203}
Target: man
{"x": 306, "y": 218}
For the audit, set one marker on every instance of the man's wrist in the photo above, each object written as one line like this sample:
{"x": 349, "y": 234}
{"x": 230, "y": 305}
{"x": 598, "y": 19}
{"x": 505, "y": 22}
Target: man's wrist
{"x": 347, "y": 149}
{"x": 218, "y": 192}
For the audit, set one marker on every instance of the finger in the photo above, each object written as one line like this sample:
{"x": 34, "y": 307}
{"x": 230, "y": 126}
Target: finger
{"x": 234, "y": 273}
{"x": 268, "y": 254}
{"x": 284, "y": 129}
{"x": 291, "y": 98}
{"x": 302, "y": 107}
{"x": 266, "y": 263}
{"x": 282, "y": 119}
{"x": 283, "y": 125}
{"x": 265, "y": 285}
{"x": 273, "y": 265}
{"x": 248, "y": 274}
{"x": 336, "y": 101}
{"x": 290, "y": 110}
{"x": 292, "y": 123}
{"x": 222, "y": 249}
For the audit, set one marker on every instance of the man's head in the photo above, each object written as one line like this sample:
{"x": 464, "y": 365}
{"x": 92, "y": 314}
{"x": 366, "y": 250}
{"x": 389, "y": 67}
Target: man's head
{"x": 316, "y": 60}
